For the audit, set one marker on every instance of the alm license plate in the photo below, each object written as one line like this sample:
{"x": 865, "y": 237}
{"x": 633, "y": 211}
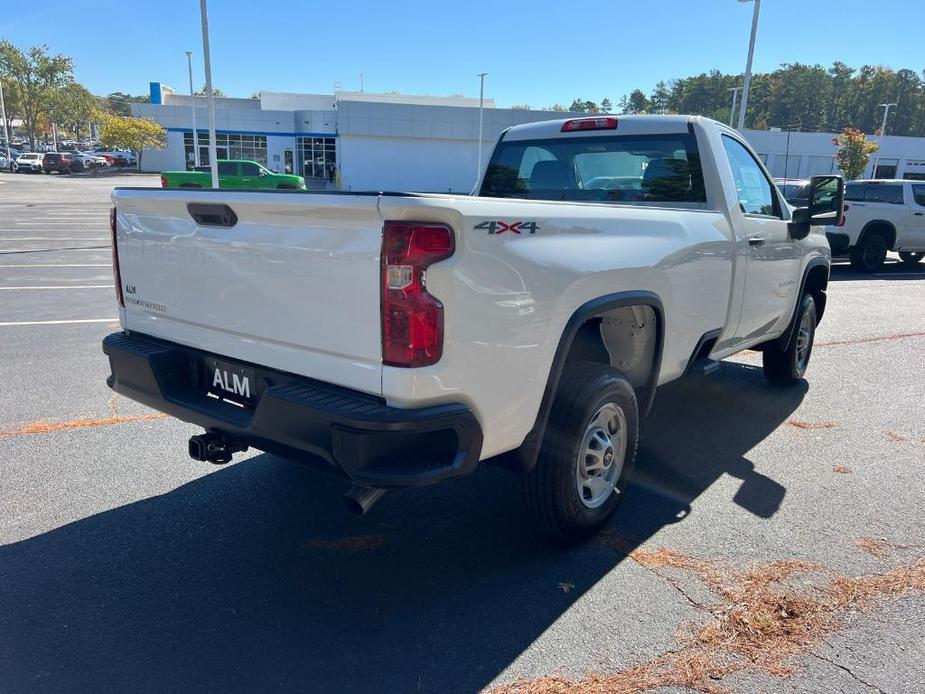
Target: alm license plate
{"x": 230, "y": 383}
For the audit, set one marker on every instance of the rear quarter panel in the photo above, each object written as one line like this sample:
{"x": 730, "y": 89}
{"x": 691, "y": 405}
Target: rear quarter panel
{"x": 508, "y": 296}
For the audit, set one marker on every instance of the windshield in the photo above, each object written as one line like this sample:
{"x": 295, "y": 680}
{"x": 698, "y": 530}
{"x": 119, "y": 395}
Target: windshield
{"x": 637, "y": 168}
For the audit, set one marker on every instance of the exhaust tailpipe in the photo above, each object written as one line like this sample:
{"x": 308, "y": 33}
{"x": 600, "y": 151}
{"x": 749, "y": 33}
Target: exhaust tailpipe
{"x": 213, "y": 447}
{"x": 360, "y": 499}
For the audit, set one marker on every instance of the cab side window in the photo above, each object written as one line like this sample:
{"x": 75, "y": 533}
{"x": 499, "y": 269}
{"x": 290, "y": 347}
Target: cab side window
{"x": 249, "y": 168}
{"x": 756, "y": 195}
{"x": 918, "y": 194}
{"x": 227, "y": 169}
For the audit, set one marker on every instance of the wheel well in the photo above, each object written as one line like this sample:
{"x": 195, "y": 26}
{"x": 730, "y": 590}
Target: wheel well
{"x": 624, "y": 337}
{"x": 816, "y": 282}
{"x": 881, "y": 228}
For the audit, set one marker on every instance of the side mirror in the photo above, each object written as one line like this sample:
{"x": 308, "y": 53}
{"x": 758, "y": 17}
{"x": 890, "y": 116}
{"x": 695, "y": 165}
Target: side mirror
{"x": 826, "y": 200}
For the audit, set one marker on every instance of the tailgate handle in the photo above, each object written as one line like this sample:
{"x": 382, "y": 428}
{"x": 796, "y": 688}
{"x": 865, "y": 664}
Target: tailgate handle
{"x": 212, "y": 215}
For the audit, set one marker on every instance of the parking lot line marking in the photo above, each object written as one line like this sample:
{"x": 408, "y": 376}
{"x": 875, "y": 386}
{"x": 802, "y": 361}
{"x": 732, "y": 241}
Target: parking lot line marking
{"x": 65, "y": 286}
{"x": 59, "y": 265}
{"x": 58, "y": 322}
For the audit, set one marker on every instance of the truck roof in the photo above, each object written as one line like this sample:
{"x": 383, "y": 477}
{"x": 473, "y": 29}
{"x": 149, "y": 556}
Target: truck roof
{"x": 626, "y": 125}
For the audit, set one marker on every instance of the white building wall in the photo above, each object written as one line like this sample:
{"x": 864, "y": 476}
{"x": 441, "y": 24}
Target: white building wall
{"x": 167, "y": 159}
{"x": 407, "y": 164}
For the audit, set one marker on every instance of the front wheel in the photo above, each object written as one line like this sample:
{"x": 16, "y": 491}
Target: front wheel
{"x": 869, "y": 255}
{"x": 787, "y": 365}
{"x": 910, "y": 258}
{"x": 587, "y": 453}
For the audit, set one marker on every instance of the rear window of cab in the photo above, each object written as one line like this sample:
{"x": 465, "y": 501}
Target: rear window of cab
{"x": 874, "y": 192}
{"x": 620, "y": 169}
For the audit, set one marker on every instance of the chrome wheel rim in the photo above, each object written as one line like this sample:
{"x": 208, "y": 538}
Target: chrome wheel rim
{"x": 601, "y": 456}
{"x": 804, "y": 340}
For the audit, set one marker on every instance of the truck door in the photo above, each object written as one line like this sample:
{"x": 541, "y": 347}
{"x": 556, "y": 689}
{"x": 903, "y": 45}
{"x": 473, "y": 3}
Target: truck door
{"x": 772, "y": 258}
{"x": 228, "y": 175}
{"x": 250, "y": 175}
{"x": 915, "y": 237}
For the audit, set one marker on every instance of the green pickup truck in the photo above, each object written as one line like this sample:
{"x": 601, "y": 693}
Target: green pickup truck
{"x": 232, "y": 173}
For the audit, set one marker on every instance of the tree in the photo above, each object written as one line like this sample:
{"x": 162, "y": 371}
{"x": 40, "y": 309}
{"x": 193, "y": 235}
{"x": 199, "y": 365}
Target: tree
{"x": 120, "y": 103}
{"x": 556, "y": 107}
{"x": 38, "y": 75}
{"x": 72, "y": 106}
{"x": 137, "y": 134}
{"x": 853, "y": 152}
{"x": 577, "y": 105}
{"x": 606, "y": 106}
{"x": 520, "y": 107}
{"x": 634, "y": 102}
{"x": 216, "y": 92}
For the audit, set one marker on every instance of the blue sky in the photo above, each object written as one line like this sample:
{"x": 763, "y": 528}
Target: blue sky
{"x": 537, "y": 52}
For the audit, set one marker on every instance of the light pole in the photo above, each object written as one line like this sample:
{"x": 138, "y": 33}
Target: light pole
{"x": 213, "y": 161}
{"x": 746, "y": 83}
{"x": 735, "y": 93}
{"x": 6, "y": 125}
{"x": 478, "y": 172}
{"x": 886, "y": 111}
{"x": 192, "y": 105}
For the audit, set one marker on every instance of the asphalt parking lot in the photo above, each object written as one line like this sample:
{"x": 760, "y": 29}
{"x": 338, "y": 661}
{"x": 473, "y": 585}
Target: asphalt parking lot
{"x": 124, "y": 566}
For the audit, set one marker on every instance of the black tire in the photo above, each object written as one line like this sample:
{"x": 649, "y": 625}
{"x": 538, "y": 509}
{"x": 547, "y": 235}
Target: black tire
{"x": 550, "y": 490}
{"x": 868, "y": 256}
{"x": 785, "y": 367}
{"x": 190, "y": 185}
{"x": 911, "y": 258}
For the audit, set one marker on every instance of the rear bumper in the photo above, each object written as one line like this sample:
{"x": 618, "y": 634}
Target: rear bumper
{"x": 337, "y": 429}
{"x": 838, "y": 242}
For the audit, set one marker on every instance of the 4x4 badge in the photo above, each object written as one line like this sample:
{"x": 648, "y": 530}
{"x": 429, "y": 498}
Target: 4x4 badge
{"x": 496, "y": 226}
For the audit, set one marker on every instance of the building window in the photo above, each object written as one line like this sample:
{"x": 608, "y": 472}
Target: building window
{"x": 318, "y": 157}
{"x": 227, "y": 146}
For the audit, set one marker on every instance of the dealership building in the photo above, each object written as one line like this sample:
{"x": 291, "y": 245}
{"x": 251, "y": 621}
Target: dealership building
{"x": 367, "y": 141}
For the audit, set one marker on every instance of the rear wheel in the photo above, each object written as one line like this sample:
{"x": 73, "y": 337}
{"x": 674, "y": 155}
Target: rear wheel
{"x": 786, "y": 366}
{"x": 910, "y": 258}
{"x": 868, "y": 256}
{"x": 587, "y": 453}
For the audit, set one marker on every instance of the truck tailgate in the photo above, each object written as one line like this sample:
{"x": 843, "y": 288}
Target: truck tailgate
{"x": 292, "y": 285}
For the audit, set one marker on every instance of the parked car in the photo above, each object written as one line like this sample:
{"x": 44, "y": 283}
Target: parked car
{"x": 400, "y": 339}
{"x": 29, "y": 162}
{"x": 881, "y": 215}
{"x": 232, "y": 173}
{"x": 89, "y": 161}
{"x": 56, "y": 161}
{"x": 795, "y": 190}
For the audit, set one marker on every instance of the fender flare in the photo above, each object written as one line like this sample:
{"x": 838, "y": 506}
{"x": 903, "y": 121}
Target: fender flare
{"x": 784, "y": 340}
{"x": 523, "y": 459}
{"x": 876, "y": 223}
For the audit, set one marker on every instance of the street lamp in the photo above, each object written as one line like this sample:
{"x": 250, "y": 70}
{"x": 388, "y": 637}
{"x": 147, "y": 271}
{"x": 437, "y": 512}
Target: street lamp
{"x": 192, "y": 104}
{"x": 6, "y": 125}
{"x": 886, "y": 111}
{"x": 748, "y": 65}
{"x": 735, "y": 93}
{"x": 478, "y": 171}
{"x": 213, "y": 160}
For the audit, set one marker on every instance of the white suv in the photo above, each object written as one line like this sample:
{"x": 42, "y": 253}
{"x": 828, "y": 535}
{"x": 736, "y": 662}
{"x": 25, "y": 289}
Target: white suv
{"x": 881, "y": 216}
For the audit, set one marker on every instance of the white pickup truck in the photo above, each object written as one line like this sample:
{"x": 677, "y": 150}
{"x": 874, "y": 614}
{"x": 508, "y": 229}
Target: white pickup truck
{"x": 881, "y": 216}
{"x": 401, "y": 339}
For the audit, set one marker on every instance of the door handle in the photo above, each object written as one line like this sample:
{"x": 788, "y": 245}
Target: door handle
{"x": 918, "y": 214}
{"x": 755, "y": 241}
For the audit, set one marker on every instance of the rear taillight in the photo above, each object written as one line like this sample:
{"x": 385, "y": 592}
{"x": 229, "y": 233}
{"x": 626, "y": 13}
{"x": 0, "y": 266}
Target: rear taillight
{"x": 589, "y": 124}
{"x": 116, "y": 277}
{"x": 412, "y": 320}
{"x": 163, "y": 181}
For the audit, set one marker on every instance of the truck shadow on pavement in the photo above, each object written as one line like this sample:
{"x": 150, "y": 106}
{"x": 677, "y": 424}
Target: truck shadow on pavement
{"x": 254, "y": 578}
{"x": 891, "y": 270}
